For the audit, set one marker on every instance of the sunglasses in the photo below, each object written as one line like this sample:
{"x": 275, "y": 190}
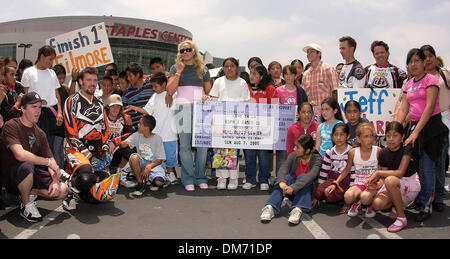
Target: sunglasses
{"x": 185, "y": 50}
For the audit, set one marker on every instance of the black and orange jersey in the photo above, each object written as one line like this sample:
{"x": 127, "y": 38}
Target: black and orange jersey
{"x": 85, "y": 121}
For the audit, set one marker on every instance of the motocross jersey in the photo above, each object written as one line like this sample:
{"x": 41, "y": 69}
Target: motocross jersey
{"x": 352, "y": 76}
{"x": 388, "y": 76}
{"x": 119, "y": 130}
{"x": 85, "y": 123}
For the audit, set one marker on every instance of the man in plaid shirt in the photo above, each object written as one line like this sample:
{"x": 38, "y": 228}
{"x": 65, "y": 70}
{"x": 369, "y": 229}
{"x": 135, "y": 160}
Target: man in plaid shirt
{"x": 321, "y": 80}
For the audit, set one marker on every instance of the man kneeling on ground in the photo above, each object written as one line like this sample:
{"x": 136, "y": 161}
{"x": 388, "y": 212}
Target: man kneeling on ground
{"x": 36, "y": 172}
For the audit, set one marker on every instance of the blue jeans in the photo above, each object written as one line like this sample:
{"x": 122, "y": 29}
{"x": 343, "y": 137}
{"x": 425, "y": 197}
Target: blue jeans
{"x": 250, "y": 166}
{"x": 190, "y": 174}
{"x": 440, "y": 173}
{"x": 56, "y": 146}
{"x": 301, "y": 199}
{"x": 428, "y": 170}
{"x": 281, "y": 157}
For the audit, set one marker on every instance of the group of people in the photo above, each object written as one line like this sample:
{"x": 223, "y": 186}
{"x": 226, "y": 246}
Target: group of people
{"x": 84, "y": 139}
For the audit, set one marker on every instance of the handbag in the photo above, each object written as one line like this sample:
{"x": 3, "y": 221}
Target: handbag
{"x": 225, "y": 158}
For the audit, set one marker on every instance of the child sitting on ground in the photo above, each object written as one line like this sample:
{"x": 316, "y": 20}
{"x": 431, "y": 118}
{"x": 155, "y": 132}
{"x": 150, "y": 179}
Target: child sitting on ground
{"x": 146, "y": 163}
{"x": 333, "y": 164}
{"x": 364, "y": 157}
{"x": 295, "y": 181}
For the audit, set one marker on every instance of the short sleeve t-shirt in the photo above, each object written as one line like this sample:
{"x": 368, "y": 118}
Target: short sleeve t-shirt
{"x": 416, "y": 95}
{"x": 230, "y": 90}
{"x": 43, "y": 82}
{"x": 287, "y": 96}
{"x": 165, "y": 118}
{"x": 150, "y": 149}
{"x": 190, "y": 86}
{"x": 31, "y": 139}
{"x": 352, "y": 130}
{"x": 325, "y": 136}
{"x": 137, "y": 97}
{"x": 392, "y": 159}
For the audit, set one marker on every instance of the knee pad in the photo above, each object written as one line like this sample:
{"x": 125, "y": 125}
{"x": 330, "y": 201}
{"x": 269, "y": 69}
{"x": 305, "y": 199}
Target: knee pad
{"x": 85, "y": 178}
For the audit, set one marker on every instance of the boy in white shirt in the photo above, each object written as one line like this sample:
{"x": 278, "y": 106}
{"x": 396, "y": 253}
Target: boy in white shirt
{"x": 165, "y": 122}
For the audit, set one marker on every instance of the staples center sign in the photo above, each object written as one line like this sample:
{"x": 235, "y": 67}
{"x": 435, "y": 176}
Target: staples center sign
{"x": 146, "y": 33}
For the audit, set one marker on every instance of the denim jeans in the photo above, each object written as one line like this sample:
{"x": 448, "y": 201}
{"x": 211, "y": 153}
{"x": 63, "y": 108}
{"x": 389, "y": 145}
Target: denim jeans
{"x": 250, "y": 166}
{"x": 428, "y": 170}
{"x": 440, "y": 173}
{"x": 301, "y": 199}
{"x": 56, "y": 146}
{"x": 191, "y": 174}
{"x": 281, "y": 157}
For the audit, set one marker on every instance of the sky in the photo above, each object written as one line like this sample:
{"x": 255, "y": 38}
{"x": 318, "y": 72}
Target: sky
{"x": 275, "y": 30}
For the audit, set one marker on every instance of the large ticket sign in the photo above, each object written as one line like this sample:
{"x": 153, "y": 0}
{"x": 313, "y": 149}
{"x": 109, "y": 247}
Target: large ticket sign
{"x": 85, "y": 47}
{"x": 377, "y": 105}
{"x": 242, "y": 125}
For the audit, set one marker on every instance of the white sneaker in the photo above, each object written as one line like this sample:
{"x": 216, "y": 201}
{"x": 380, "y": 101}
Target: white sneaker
{"x": 30, "y": 212}
{"x": 128, "y": 183}
{"x": 354, "y": 209}
{"x": 267, "y": 213}
{"x": 248, "y": 186}
{"x": 447, "y": 188}
{"x": 154, "y": 188}
{"x": 172, "y": 178}
{"x": 33, "y": 197}
{"x": 264, "y": 187}
{"x": 370, "y": 213}
{"x": 221, "y": 183}
{"x": 69, "y": 203}
{"x": 295, "y": 215}
{"x": 127, "y": 179}
{"x": 233, "y": 184}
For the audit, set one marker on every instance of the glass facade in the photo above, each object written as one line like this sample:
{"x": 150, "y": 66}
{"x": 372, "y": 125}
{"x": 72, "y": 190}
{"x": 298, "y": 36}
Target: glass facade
{"x": 8, "y": 50}
{"x": 140, "y": 51}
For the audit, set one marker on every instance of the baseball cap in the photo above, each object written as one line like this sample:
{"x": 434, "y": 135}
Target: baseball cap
{"x": 313, "y": 46}
{"x": 31, "y": 98}
{"x": 115, "y": 99}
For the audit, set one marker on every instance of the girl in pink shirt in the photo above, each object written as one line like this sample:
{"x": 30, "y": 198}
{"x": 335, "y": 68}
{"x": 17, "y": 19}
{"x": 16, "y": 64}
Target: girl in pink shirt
{"x": 305, "y": 125}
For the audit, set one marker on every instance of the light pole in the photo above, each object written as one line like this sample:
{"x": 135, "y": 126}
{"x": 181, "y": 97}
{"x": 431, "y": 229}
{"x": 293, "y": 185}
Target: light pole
{"x": 25, "y": 47}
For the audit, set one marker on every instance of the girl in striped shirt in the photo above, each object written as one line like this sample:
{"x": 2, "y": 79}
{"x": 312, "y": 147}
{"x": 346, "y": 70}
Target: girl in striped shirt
{"x": 333, "y": 164}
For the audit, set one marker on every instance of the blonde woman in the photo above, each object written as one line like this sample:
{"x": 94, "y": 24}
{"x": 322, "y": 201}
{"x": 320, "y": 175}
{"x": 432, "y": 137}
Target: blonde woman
{"x": 191, "y": 80}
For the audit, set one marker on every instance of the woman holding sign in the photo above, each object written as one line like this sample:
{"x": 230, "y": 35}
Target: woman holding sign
{"x": 191, "y": 80}
{"x": 426, "y": 130}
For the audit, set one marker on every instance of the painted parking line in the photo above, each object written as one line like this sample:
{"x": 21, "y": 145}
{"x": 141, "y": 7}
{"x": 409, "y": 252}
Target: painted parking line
{"x": 314, "y": 228}
{"x": 27, "y": 233}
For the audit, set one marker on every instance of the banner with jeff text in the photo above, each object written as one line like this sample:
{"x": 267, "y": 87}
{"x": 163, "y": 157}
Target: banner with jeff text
{"x": 377, "y": 105}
